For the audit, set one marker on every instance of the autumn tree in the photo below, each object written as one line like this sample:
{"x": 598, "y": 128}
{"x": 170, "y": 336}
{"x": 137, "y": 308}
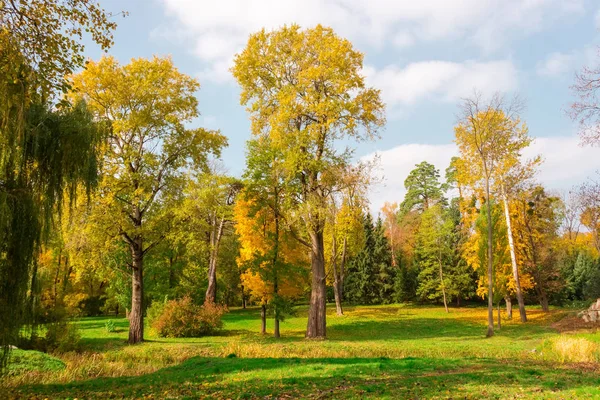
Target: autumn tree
{"x": 147, "y": 103}
{"x": 305, "y": 90}
{"x": 271, "y": 257}
{"x": 485, "y": 139}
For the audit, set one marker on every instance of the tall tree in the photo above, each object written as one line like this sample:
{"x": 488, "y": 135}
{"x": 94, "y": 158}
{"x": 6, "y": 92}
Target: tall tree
{"x": 305, "y": 90}
{"x": 147, "y": 103}
{"x": 484, "y": 136}
{"x": 423, "y": 188}
{"x": 42, "y": 151}
{"x": 586, "y": 109}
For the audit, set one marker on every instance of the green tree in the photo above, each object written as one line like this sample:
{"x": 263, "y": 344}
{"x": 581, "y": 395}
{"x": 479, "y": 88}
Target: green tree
{"x": 305, "y": 90}
{"x": 384, "y": 270}
{"x": 423, "y": 188}
{"x": 42, "y": 150}
{"x": 360, "y": 286}
{"x": 147, "y": 103}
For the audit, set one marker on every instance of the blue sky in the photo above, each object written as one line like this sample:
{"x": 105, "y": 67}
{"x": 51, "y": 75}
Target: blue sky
{"x": 423, "y": 55}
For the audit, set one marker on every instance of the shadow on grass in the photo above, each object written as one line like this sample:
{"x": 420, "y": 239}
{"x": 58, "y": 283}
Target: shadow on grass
{"x": 335, "y": 378}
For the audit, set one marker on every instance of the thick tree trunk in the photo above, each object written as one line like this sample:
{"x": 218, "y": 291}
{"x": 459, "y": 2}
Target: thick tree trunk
{"x": 215, "y": 240}
{"x": 263, "y": 319}
{"x": 276, "y": 328}
{"x": 513, "y": 259}
{"x": 543, "y": 299}
{"x": 508, "y": 302}
{"x": 136, "y": 316}
{"x": 490, "y": 266}
{"x": 316, "y": 327}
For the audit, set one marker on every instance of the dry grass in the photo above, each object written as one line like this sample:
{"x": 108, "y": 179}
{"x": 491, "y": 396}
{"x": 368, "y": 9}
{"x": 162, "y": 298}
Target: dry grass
{"x": 574, "y": 349}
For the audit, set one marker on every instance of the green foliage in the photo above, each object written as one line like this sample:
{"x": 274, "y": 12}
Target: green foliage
{"x": 182, "y": 318}
{"x": 62, "y": 337}
{"x": 370, "y": 276}
{"x": 584, "y": 282}
{"x": 423, "y": 188}
{"x": 110, "y": 326}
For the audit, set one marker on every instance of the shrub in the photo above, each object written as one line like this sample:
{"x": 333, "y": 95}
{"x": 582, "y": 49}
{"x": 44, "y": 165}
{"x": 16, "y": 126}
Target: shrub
{"x": 109, "y": 326}
{"x": 183, "y": 318}
{"x": 62, "y": 337}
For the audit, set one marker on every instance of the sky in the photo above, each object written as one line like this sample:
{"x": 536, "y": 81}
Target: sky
{"x": 423, "y": 55}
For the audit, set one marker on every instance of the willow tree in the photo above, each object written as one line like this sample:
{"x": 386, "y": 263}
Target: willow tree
{"x": 42, "y": 152}
{"x": 305, "y": 90}
{"x": 147, "y": 103}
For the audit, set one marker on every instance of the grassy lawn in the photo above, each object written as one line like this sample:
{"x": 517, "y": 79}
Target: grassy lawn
{"x": 397, "y": 351}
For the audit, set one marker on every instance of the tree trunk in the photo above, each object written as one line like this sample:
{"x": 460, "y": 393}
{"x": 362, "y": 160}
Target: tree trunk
{"x": 263, "y": 319}
{"x": 316, "y": 326}
{"x": 136, "y": 316}
{"x": 490, "y": 266}
{"x": 215, "y": 240}
{"x": 243, "y": 298}
{"x": 508, "y": 302}
{"x": 442, "y": 280}
{"x": 513, "y": 258}
{"x": 543, "y": 299}
{"x": 117, "y": 310}
{"x": 499, "y": 318}
{"x": 276, "y": 333}
{"x": 458, "y": 301}
{"x": 336, "y": 293}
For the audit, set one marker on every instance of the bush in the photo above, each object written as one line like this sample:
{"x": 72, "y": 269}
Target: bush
{"x": 62, "y": 337}
{"x": 109, "y": 326}
{"x": 183, "y": 318}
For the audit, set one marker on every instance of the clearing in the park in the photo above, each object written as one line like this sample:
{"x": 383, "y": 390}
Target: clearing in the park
{"x": 393, "y": 351}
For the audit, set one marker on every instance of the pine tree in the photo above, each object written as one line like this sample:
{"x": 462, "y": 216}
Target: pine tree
{"x": 360, "y": 287}
{"x": 385, "y": 272}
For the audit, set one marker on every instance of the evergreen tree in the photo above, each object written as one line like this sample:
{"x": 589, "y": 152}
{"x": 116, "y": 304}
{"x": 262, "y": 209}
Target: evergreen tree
{"x": 360, "y": 286}
{"x": 385, "y": 272}
{"x": 423, "y": 188}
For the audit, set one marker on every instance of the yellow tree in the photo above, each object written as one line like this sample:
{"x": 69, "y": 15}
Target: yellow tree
{"x": 485, "y": 138}
{"x": 147, "y": 103}
{"x": 305, "y": 90}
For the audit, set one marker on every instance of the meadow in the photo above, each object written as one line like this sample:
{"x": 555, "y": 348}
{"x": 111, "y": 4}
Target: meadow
{"x": 397, "y": 351}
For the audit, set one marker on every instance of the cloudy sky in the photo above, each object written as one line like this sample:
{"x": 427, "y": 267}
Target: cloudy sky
{"x": 424, "y": 56}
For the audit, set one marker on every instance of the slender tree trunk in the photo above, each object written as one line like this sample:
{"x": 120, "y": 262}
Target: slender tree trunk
{"x": 243, "y": 298}
{"x": 336, "y": 280}
{"x": 263, "y": 319}
{"x": 508, "y": 302}
{"x": 442, "y": 282}
{"x": 136, "y": 316}
{"x": 316, "y": 326}
{"x": 342, "y": 269}
{"x": 499, "y": 318}
{"x": 490, "y": 266}
{"x": 458, "y": 301}
{"x": 117, "y": 310}
{"x": 513, "y": 258}
{"x": 542, "y": 298}
{"x": 215, "y": 240}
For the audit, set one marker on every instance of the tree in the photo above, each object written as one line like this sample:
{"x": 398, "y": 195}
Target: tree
{"x": 304, "y": 89}
{"x": 423, "y": 188}
{"x": 147, "y": 103}
{"x": 537, "y": 223}
{"x": 385, "y": 272}
{"x": 589, "y": 204}
{"x": 38, "y": 46}
{"x": 434, "y": 251}
{"x": 392, "y": 228}
{"x": 360, "y": 285}
{"x": 483, "y": 137}
{"x": 586, "y": 110}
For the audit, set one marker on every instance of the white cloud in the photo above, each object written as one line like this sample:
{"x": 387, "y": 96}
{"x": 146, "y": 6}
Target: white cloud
{"x": 560, "y": 64}
{"x": 565, "y": 164}
{"x": 218, "y": 29}
{"x": 441, "y": 80}
{"x": 556, "y": 64}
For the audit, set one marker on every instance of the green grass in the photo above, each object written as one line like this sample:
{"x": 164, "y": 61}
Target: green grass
{"x": 371, "y": 352}
{"x": 23, "y": 361}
